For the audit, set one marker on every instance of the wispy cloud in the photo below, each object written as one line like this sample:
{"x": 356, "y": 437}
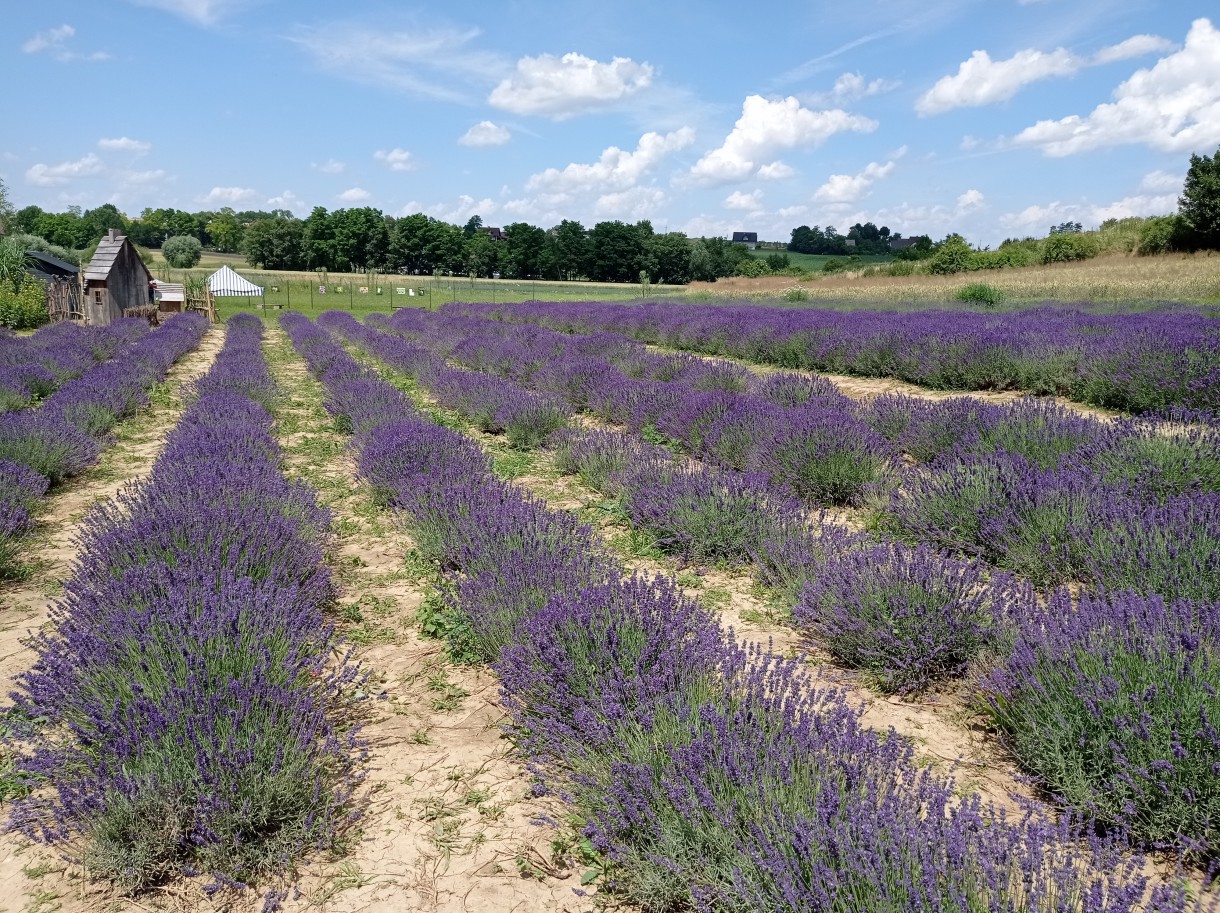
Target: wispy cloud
{"x": 43, "y": 175}
{"x": 396, "y": 159}
{"x": 201, "y": 12}
{"x": 436, "y": 62}
{"x": 55, "y": 43}
{"x": 124, "y": 144}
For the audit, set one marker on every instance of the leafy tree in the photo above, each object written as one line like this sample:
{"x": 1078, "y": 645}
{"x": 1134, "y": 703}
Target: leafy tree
{"x": 226, "y": 231}
{"x": 181, "y": 251}
{"x": 617, "y": 251}
{"x": 670, "y": 256}
{"x": 320, "y": 252}
{"x": 409, "y": 244}
{"x": 361, "y": 239}
{"x": 1063, "y": 247}
{"x": 445, "y": 246}
{"x": 777, "y": 263}
{"x": 569, "y": 250}
{"x": 474, "y": 226}
{"x": 275, "y": 243}
{"x": 1067, "y": 228}
{"x": 1199, "y": 205}
{"x": 481, "y": 255}
{"x": 523, "y": 246}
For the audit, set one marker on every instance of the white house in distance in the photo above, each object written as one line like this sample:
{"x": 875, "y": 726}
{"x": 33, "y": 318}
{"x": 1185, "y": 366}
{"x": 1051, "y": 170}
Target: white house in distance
{"x": 748, "y": 238}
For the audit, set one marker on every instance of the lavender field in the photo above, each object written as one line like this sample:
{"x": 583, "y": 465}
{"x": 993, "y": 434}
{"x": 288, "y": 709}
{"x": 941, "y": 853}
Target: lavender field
{"x": 207, "y": 705}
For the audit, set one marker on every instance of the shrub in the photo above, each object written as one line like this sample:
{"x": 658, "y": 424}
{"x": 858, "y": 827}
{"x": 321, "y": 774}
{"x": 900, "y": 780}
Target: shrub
{"x": 25, "y": 308}
{"x": 182, "y": 251}
{"x": 1157, "y": 235}
{"x": 796, "y": 293}
{"x": 980, "y": 293}
{"x": 905, "y": 617}
{"x": 1068, "y": 246}
{"x": 953, "y": 255}
{"x": 1112, "y": 703}
{"x": 826, "y": 457}
{"x": 752, "y": 267}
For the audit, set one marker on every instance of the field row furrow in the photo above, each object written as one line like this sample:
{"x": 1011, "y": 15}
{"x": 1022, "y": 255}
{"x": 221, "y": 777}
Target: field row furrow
{"x": 703, "y": 773}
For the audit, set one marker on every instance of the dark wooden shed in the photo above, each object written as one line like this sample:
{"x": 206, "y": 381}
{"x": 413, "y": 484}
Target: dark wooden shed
{"x": 116, "y": 281}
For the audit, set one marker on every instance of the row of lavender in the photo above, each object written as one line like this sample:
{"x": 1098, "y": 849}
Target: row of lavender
{"x": 909, "y": 615}
{"x": 41, "y": 447}
{"x": 1031, "y": 487}
{"x": 179, "y": 714}
{"x": 1133, "y": 362}
{"x": 32, "y": 367}
{"x": 711, "y": 777}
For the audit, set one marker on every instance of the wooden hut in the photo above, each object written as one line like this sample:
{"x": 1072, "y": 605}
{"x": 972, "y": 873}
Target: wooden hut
{"x": 116, "y": 282}
{"x": 171, "y": 296}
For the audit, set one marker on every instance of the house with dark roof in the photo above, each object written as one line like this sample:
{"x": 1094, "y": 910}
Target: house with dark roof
{"x": 116, "y": 281}
{"x": 496, "y": 234}
{"x": 42, "y": 265}
{"x": 748, "y": 238}
{"x": 902, "y": 243}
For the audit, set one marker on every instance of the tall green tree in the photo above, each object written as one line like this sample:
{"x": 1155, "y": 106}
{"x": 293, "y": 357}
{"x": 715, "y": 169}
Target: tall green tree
{"x": 409, "y": 244}
{"x": 275, "y": 243}
{"x": 481, "y": 255}
{"x": 522, "y": 254}
{"x": 1199, "y": 205}
{"x": 319, "y": 238}
{"x": 670, "y": 258}
{"x": 568, "y": 254}
{"x": 226, "y": 231}
{"x": 618, "y": 251}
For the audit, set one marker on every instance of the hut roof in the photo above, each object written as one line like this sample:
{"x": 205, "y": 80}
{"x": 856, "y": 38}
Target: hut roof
{"x": 171, "y": 291}
{"x": 107, "y": 253}
{"x": 43, "y": 266}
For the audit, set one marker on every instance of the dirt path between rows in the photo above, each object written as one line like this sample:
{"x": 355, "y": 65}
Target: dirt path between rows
{"x": 449, "y": 826}
{"x": 33, "y": 878}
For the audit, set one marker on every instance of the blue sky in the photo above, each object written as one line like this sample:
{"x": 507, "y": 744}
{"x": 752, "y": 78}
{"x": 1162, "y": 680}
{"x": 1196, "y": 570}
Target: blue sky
{"x": 995, "y": 118}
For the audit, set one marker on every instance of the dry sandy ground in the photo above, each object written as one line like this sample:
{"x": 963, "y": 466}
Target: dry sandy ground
{"x": 33, "y": 878}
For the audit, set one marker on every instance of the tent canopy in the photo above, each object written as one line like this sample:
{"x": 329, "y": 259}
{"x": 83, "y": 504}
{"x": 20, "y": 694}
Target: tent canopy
{"x": 226, "y": 283}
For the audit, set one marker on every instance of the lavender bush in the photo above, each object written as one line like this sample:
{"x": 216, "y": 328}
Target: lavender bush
{"x": 906, "y": 617}
{"x": 1112, "y": 702}
{"x": 20, "y": 490}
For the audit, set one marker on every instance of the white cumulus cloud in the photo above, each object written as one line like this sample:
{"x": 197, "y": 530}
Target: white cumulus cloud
{"x": 562, "y": 87}
{"x": 848, "y": 188}
{"x": 634, "y": 203}
{"x": 1173, "y": 106}
{"x": 776, "y": 171}
{"x": 354, "y": 195}
{"x": 617, "y": 169}
{"x": 396, "y": 159}
{"x": 485, "y": 133}
{"x": 743, "y": 201}
{"x": 1162, "y": 181}
{"x": 768, "y": 126}
{"x": 330, "y": 166}
{"x": 970, "y": 200}
{"x": 227, "y": 196}
{"x": 981, "y": 80}
{"x": 43, "y": 175}
{"x": 124, "y": 144}
{"x": 287, "y": 200}
{"x": 852, "y": 87}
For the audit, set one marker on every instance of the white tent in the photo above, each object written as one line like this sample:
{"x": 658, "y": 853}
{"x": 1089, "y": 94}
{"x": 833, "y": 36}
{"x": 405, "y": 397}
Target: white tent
{"x": 224, "y": 283}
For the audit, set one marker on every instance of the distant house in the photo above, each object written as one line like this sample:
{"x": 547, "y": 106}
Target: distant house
{"x": 496, "y": 234}
{"x": 43, "y": 266}
{"x": 902, "y": 243}
{"x": 748, "y": 238}
{"x": 116, "y": 281}
{"x": 849, "y": 242}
